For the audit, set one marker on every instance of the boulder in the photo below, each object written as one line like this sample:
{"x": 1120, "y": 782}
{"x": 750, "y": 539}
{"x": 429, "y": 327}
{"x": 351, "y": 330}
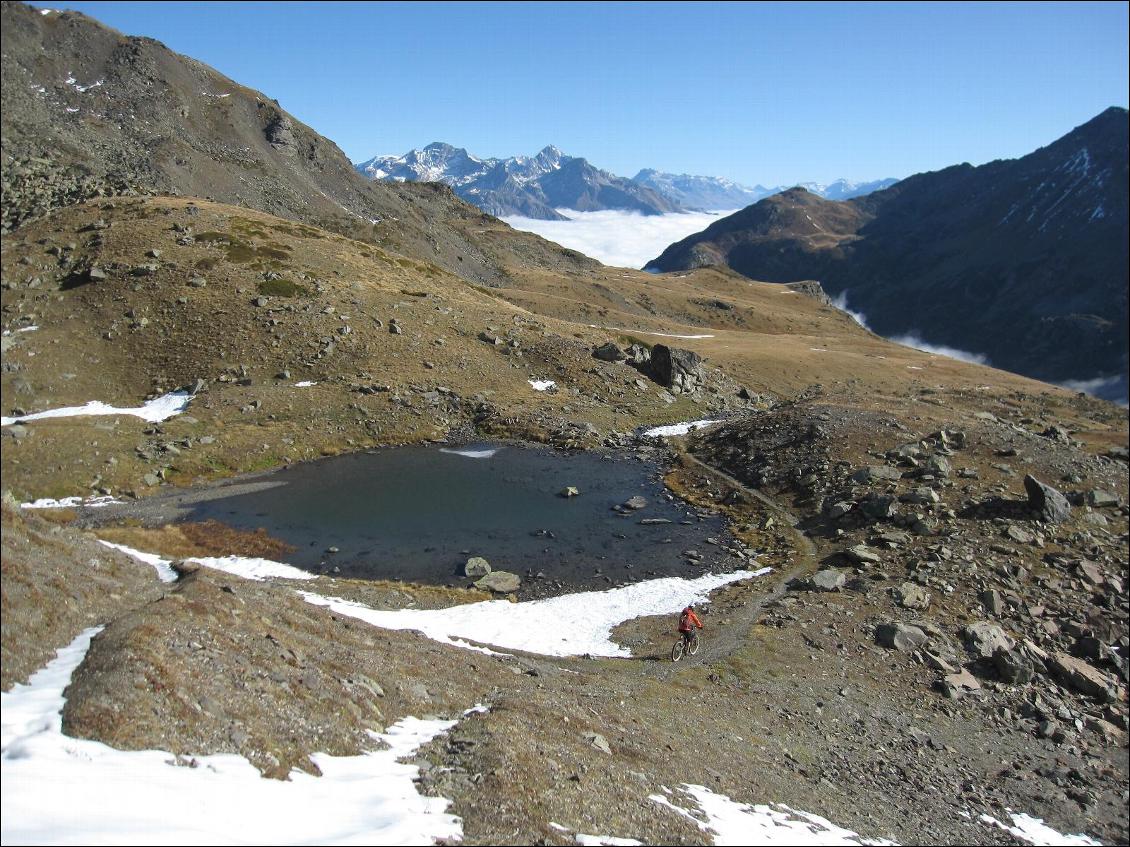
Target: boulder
{"x": 921, "y": 495}
{"x": 983, "y": 637}
{"x": 476, "y": 567}
{"x": 827, "y": 580}
{"x": 1012, "y": 666}
{"x": 878, "y": 507}
{"x": 992, "y": 600}
{"x": 1045, "y": 500}
{"x": 638, "y": 356}
{"x": 876, "y": 473}
{"x": 500, "y": 582}
{"x": 609, "y": 352}
{"x": 899, "y": 636}
{"x": 1098, "y": 498}
{"x": 939, "y": 466}
{"x": 863, "y": 555}
{"x": 676, "y": 369}
{"x": 911, "y": 596}
{"x": 569, "y": 491}
{"x": 598, "y": 741}
{"x": 1020, "y": 536}
{"x": 955, "y": 685}
{"x": 1082, "y": 677}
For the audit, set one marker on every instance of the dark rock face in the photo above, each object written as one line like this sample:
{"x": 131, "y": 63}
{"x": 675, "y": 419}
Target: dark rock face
{"x": 676, "y": 369}
{"x": 280, "y": 135}
{"x": 1024, "y": 261}
{"x": 1049, "y": 503}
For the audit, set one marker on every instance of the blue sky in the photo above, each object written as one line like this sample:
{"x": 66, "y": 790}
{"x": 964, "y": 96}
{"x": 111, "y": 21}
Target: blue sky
{"x": 760, "y": 93}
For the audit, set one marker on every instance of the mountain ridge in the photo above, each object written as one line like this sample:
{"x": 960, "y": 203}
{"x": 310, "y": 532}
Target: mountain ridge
{"x": 535, "y": 186}
{"x": 81, "y": 121}
{"x": 1023, "y": 260}
{"x": 531, "y": 186}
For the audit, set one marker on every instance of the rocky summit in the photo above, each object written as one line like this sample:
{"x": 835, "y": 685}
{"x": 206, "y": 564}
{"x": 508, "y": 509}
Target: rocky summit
{"x": 911, "y": 570}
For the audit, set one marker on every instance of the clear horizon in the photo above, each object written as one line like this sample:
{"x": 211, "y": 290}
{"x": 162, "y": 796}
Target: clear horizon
{"x": 758, "y": 93}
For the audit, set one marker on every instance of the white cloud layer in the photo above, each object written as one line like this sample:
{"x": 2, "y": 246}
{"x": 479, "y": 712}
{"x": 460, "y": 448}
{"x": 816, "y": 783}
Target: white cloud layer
{"x": 911, "y": 339}
{"x": 618, "y": 238}
{"x": 840, "y": 301}
{"x": 1112, "y": 388}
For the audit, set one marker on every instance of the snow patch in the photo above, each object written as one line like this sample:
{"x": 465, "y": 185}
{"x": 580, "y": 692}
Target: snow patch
{"x": 733, "y": 823}
{"x": 569, "y": 625}
{"x": 138, "y": 797}
{"x": 471, "y": 452}
{"x": 541, "y": 384}
{"x": 32, "y": 328}
{"x": 305, "y": 384}
{"x": 647, "y": 332}
{"x": 72, "y": 502}
{"x": 156, "y": 410}
{"x": 1035, "y": 831}
{"x": 676, "y": 429}
{"x": 599, "y": 840}
{"x": 241, "y": 566}
{"x": 595, "y": 840}
{"x": 164, "y": 571}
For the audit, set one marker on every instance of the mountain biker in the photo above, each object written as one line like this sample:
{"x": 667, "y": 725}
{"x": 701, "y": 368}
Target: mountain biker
{"x": 688, "y": 620}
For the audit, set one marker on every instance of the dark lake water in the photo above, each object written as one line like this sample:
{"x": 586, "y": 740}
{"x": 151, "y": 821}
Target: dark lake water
{"x": 418, "y": 513}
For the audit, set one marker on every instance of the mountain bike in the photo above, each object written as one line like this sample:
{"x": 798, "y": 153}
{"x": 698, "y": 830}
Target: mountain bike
{"x": 685, "y": 647}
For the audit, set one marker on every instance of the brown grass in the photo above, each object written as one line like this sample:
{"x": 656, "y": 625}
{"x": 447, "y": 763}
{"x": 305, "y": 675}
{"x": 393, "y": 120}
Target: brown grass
{"x": 208, "y": 538}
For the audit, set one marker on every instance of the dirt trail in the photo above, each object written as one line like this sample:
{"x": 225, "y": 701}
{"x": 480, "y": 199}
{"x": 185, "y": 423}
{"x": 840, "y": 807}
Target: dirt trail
{"x": 720, "y": 642}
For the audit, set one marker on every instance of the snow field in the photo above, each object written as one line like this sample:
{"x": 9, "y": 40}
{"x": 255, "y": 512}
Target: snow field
{"x": 61, "y": 790}
{"x": 156, "y": 410}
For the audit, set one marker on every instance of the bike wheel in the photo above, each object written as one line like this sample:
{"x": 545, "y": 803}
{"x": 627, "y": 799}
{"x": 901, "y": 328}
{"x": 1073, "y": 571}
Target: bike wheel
{"x": 677, "y": 651}
{"x": 692, "y": 648}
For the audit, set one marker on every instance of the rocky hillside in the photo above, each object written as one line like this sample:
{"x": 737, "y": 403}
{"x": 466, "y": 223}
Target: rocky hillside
{"x": 940, "y": 644}
{"x": 531, "y": 186}
{"x": 89, "y": 112}
{"x": 1024, "y": 261}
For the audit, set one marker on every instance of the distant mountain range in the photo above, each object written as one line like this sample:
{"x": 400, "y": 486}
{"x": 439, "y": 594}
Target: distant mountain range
{"x": 711, "y": 193}
{"x": 1024, "y": 260}
{"x": 532, "y": 186}
{"x": 537, "y": 186}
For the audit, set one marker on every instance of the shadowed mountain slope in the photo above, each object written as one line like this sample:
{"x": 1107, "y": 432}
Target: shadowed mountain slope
{"x": 1022, "y": 260}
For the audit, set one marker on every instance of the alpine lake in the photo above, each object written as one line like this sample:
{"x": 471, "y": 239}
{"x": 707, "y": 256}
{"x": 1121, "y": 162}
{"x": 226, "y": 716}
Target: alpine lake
{"x": 418, "y": 513}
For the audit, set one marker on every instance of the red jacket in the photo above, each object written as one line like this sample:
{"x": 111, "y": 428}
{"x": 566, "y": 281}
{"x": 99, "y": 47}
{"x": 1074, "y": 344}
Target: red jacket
{"x": 688, "y": 620}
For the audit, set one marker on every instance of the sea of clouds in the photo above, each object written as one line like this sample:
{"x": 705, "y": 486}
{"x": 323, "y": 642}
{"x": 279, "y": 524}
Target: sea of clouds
{"x": 616, "y": 237}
